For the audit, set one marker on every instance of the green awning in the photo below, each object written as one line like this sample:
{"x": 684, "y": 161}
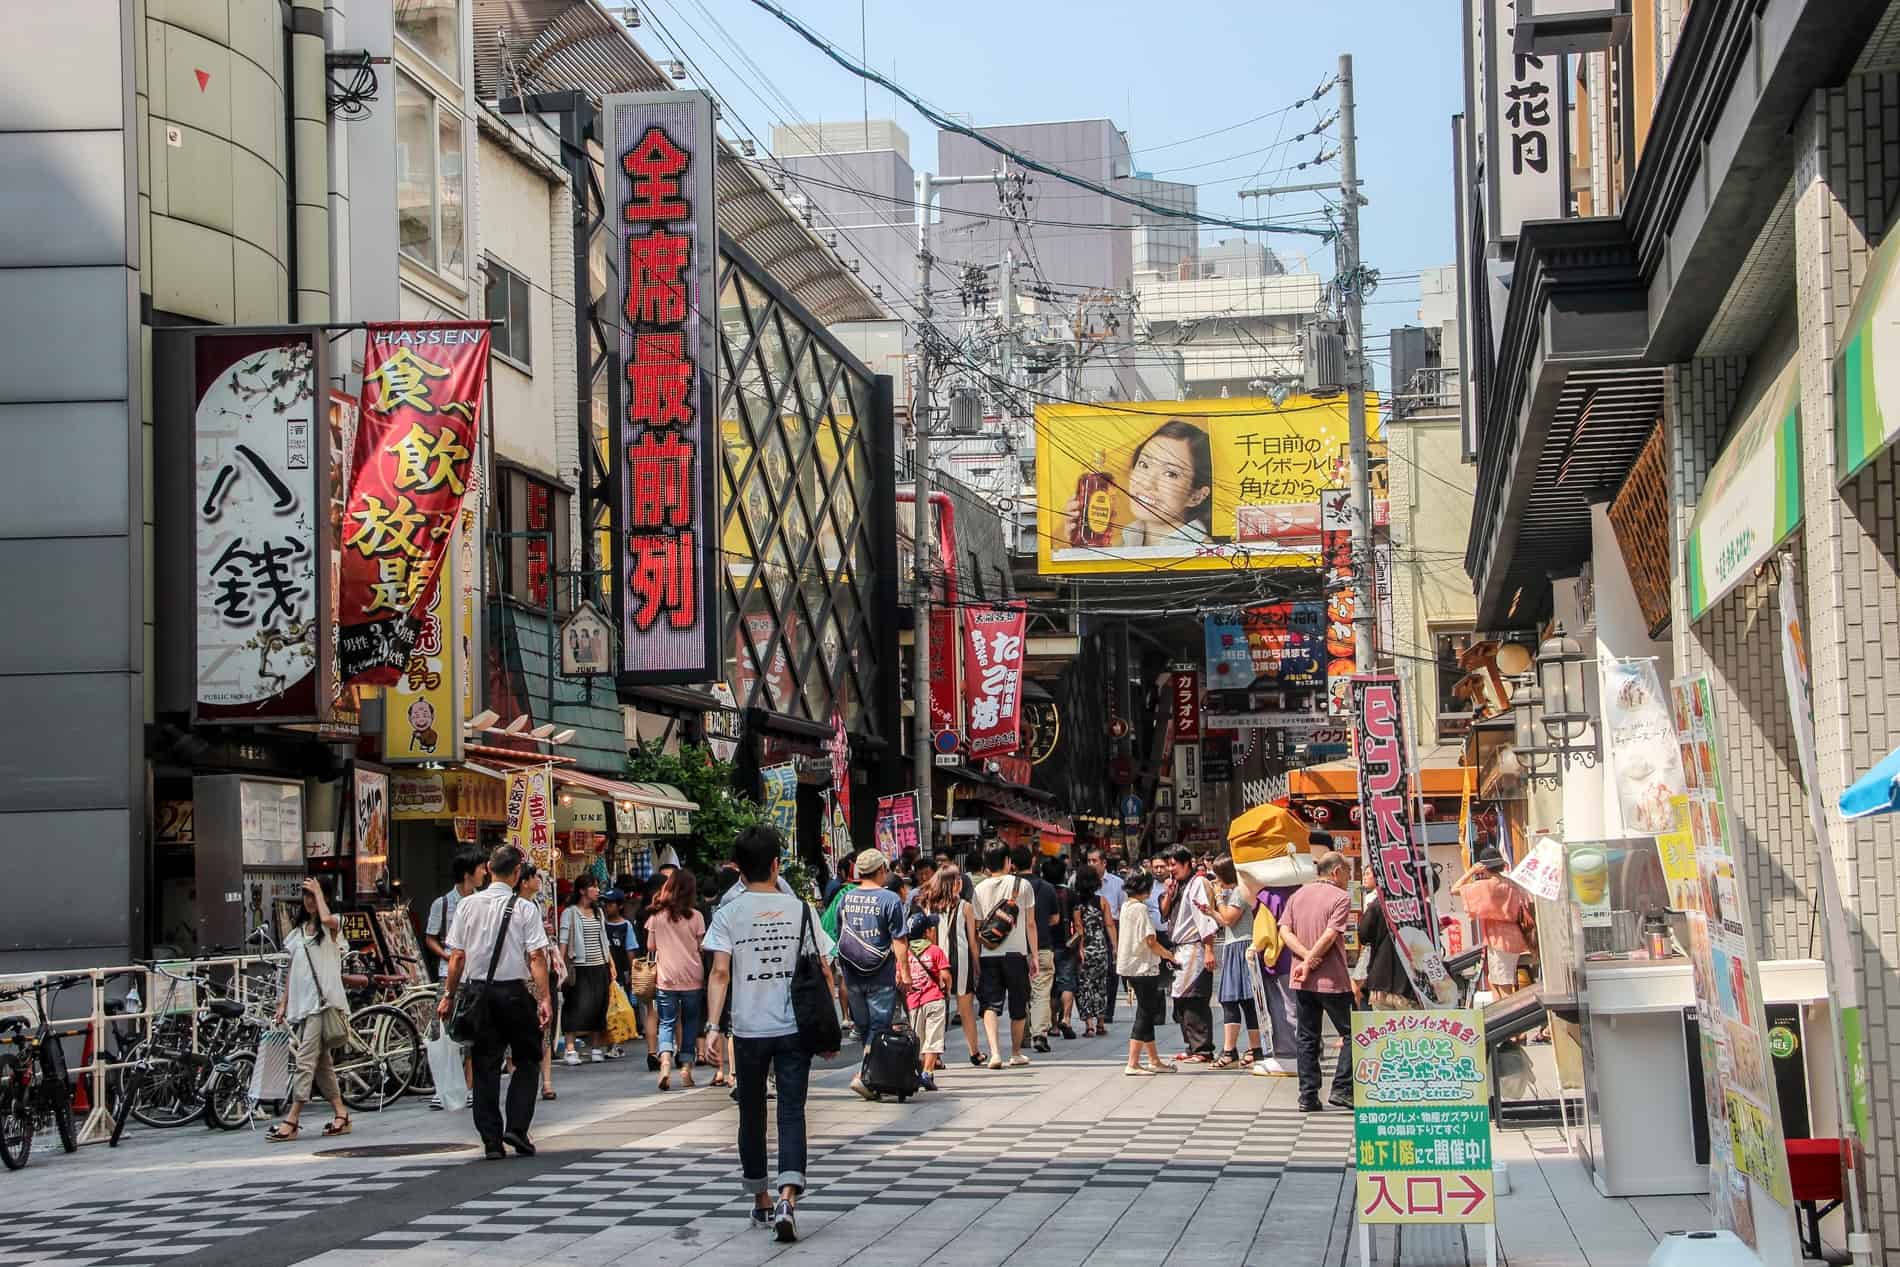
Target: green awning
{"x": 1752, "y": 500}
{"x": 1867, "y": 370}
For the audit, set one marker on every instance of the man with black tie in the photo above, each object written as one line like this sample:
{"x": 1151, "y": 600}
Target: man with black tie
{"x": 497, "y": 938}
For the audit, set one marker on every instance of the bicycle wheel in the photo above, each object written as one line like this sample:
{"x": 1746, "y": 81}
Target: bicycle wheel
{"x": 382, "y": 1059}
{"x": 420, "y": 1009}
{"x": 56, "y": 1093}
{"x": 228, "y": 1098}
{"x": 166, "y": 1094}
{"x": 16, "y": 1116}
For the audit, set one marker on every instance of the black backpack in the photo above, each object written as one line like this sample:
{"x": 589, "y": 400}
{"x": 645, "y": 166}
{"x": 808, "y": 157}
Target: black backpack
{"x": 1001, "y": 921}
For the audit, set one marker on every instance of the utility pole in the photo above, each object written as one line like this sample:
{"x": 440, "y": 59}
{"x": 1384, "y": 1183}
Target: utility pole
{"x": 1365, "y": 614}
{"x": 922, "y": 548}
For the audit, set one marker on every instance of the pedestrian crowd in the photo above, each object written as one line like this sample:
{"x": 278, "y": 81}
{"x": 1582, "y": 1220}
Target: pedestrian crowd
{"x": 1017, "y": 950}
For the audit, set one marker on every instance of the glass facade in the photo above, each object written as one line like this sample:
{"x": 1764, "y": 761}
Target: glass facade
{"x": 796, "y": 491}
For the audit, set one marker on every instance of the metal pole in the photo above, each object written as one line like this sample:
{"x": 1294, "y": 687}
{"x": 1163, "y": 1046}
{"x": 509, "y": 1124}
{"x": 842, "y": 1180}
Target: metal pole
{"x": 920, "y": 749}
{"x": 1365, "y": 604}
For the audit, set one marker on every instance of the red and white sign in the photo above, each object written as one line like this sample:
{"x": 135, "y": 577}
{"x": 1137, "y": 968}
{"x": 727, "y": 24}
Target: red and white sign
{"x": 1541, "y": 874}
{"x": 993, "y": 677}
{"x": 660, "y": 171}
{"x": 423, "y": 386}
{"x": 1187, "y": 705}
{"x": 946, "y": 701}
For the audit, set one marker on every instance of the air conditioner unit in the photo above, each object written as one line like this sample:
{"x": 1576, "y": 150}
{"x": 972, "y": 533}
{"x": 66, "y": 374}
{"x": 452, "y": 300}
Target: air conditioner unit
{"x": 630, "y": 15}
{"x": 1325, "y": 346}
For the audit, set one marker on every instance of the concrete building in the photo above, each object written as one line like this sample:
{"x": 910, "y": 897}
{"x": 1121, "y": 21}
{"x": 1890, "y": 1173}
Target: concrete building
{"x": 1707, "y": 263}
{"x": 1230, "y": 331}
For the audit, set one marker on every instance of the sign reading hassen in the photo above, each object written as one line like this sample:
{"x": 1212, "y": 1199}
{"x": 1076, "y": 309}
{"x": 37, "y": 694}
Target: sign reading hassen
{"x": 1752, "y": 500}
{"x": 660, "y": 158}
{"x": 260, "y": 523}
{"x": 1195, "y": 485}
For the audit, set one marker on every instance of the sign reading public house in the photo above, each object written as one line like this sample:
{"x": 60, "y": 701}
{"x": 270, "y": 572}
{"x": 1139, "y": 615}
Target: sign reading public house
{"x": 423, "y": 385}
{"x": 660, "y": 172}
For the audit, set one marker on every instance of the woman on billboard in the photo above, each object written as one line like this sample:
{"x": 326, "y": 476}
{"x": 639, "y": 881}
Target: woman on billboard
{"x": 1167, "y": 496}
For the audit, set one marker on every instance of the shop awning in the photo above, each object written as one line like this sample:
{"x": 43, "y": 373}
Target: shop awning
{"x": 1339, "y": 780}
{"x": 984, "y": 779}
{"x": 1876, "y": 792}
{"x": 1751, "y": 502}
{"x": 1054, "y": 831}
{"x": 653, "y": 795}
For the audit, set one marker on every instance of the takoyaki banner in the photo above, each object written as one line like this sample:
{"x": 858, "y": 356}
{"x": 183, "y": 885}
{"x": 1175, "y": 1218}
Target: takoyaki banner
{"x": 1193, "y": 485}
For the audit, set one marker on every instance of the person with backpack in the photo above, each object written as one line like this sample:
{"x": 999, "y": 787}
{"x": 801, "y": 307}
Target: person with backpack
{"x": 761, "y": 944}
{"x": 1006, "y": 935}
{"x": 872, "y": 953}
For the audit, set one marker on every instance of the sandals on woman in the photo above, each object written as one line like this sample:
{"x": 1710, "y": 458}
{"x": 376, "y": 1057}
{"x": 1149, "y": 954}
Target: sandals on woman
{"x": 337, "y": 1126}
{"x": 283, "y": 1132}
{"x": 1226, "y": 1060}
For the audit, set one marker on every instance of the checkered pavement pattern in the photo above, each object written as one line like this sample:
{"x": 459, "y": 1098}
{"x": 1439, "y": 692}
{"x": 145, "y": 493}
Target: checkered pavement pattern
{"x": 670, "y": 1186}
{"x": 173, "y": 1226}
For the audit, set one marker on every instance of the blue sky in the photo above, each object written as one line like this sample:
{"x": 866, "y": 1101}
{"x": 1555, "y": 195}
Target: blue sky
{"x": 1162, "y": 73}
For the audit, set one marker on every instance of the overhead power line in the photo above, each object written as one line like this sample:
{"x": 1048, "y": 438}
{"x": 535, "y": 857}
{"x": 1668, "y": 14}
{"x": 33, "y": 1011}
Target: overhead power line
{"x": 949, "y": 124}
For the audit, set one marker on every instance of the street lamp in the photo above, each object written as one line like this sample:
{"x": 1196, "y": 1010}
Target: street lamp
{"x": 1527, "y": 740}
{"x": 1567, "y": 675}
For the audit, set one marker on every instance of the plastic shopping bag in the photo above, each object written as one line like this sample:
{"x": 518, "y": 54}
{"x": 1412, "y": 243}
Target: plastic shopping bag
{"x": 270, "y": 1076}
{"x": 445, "y": 1064}
{"x": 621, "y": 1025}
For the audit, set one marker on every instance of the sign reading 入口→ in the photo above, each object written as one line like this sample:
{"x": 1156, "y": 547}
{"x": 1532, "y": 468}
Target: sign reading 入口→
{"x": 1421, "y": 1117}
{"x": 660, "y": 155}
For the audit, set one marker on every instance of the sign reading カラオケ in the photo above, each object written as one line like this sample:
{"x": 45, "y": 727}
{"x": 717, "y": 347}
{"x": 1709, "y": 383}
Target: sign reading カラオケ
{"x": 423, "y": 385}
{"x": 660, "y": 154}
{"x": 260, "y": 523}
{"x": 1421, "y": 1117}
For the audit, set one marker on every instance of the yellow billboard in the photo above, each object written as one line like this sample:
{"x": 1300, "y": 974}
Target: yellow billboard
{"x": 1187, "y": 485}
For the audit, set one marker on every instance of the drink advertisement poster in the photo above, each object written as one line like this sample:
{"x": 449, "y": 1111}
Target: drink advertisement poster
{"x": 1747, "y": 1153}
{"x": 1421, "y": 1117}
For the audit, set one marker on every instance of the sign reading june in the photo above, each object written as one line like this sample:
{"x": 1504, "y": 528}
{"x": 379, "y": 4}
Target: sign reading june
{"x": 1421, "y": 1117}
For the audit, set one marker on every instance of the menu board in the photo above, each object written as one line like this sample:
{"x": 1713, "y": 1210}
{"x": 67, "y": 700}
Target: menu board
{"x": 1746, "y": 1146}
{"x": 399, "y": 935}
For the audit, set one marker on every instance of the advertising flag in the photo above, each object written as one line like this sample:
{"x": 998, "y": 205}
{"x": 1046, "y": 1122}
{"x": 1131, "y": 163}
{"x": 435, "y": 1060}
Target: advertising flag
{"x": 423, "y": 385}
{"x": 993, "y": 676}
{"x": 946, "y": 681}
{"x": 1393, "y": 855}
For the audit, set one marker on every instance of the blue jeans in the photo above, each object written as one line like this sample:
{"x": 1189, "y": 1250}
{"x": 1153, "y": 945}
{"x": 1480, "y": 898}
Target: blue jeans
{"x": 682, "y": 1012}
{"x": 872, "y": 1003}
{"x": 788, "y": 1059}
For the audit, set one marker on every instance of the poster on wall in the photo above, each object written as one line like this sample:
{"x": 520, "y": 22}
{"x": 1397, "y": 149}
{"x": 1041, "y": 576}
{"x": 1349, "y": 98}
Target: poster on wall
{"x": 423, "y": 387}
{"x": 781, "y": 802}
{"x": 1393, "y": 854}
{"x": 422, "y": 709}
{"x": 1641, "y": 744}
{"x": 260, "y": 488}
{"x": 369, "y": 826}
{"x": 993, "y": 677}
{"x": 1271, "y": 646}
{"x": 1191, "y": 485}
{"x": 661, "y": 151}
{"x": 897, "y": 824}
{"x": 1747, "y": 1155}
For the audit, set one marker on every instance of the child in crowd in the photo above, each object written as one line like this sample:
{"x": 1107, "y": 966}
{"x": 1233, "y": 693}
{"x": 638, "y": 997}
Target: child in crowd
{"x": 927, "y": 992}
{"x": 1138, "y": 956}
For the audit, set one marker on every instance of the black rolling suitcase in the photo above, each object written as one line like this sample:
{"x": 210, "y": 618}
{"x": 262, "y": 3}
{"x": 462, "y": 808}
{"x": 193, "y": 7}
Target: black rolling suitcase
{"x": 893, "y": 1062}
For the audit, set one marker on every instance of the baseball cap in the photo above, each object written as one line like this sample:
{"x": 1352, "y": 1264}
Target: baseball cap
{"x": 870, "y": 862}
{"x": 921, "y": 922}
{"x": 613, "y": 895}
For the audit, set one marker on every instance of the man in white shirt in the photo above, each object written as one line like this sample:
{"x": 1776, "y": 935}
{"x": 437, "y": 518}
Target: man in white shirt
{"x": 505, "y": 955}
{"x": 756, "y": 939}
{"x": 1003, "y": 968}
{"x": 1191, "y": 931}
{"x": 1115, "y": 893}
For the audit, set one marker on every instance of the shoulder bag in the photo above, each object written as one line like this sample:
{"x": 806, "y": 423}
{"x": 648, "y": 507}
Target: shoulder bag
{"x": 471, "y": 1000}
{"x": 334, "y": 1018}
{"x": 819, "y": 1030}
{"x": 1001, "y": 921}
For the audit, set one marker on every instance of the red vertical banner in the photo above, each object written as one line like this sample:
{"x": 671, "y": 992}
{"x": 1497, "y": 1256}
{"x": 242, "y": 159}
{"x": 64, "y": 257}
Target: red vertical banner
{"x": 660, "y": 158}
{"x": 946, "y": 683}
{"x": 1186, "y": 708}
{"x": 993, "y": 677}
{"x": 1392, "y": 853}
{"x": 423, "y": 384}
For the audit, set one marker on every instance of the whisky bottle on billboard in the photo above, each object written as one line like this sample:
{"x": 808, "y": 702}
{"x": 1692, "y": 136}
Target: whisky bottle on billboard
{"x": 1095, "y": 505}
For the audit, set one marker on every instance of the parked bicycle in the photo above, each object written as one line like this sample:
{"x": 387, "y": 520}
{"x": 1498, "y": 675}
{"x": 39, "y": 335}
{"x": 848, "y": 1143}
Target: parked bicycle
{"x": 35, "y": 1089}
{"x": 368, "y": 988}
{"x": 194, "y": 1063}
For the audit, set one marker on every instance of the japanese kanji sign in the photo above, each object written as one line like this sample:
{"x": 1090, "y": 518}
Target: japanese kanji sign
{"x": 1184, "y": 692}
{"x": 531, "y": 814}
{"x": 897, "y": 824}
{"x": 423, "y": 385}
{"x": 1421, "y": 1117}
{"x": 661, "y": 150}
{"x": 259, "y": 506}
{"x": 946, "y": 697}
{"x": 1282, "y": 643}
{"x": 1525, "y": 161}
{"x": 422, "y": 715}
{"x": 993, "y": 677}
{"x": 1393, "y": 856}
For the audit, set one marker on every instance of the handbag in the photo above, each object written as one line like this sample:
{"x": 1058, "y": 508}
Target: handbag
{"x": 621, "y": 1025}
{"x": 334, "y": 1020}
{"x": 819, "y": 1030}
{"x": 471, "y": 999}
{"x": 643, "y": 978}
{"x": 1001, "y": 921}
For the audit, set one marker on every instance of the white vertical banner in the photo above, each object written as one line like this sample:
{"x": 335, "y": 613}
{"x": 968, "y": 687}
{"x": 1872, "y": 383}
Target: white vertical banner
{"x": 1525, "y": 154}
{"x": 1187, "y": 780}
